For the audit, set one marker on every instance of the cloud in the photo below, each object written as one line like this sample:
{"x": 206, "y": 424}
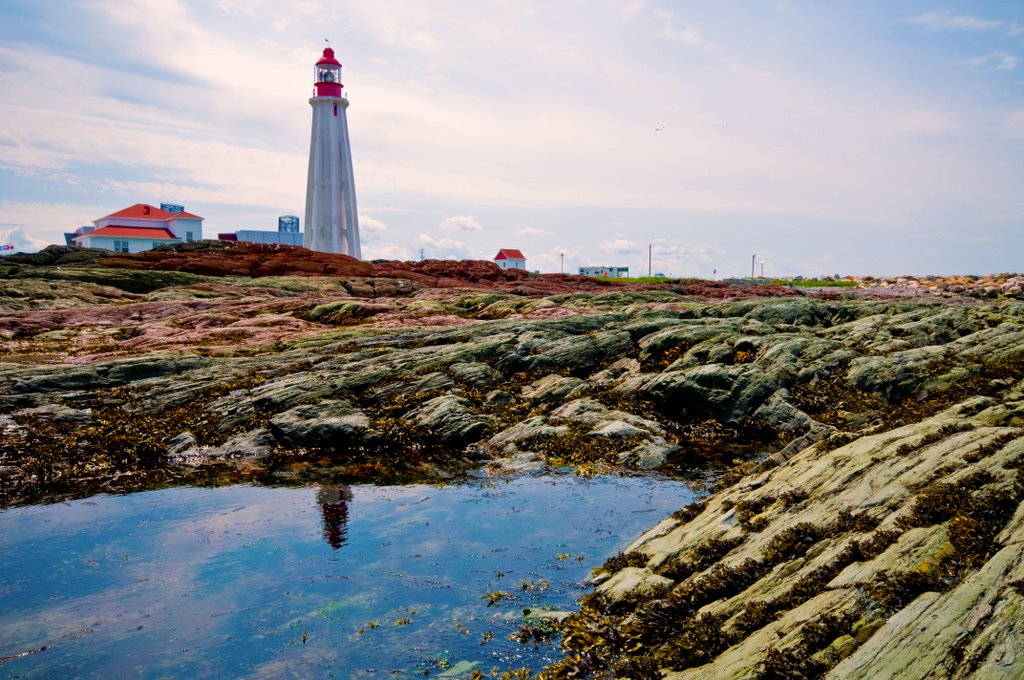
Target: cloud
{"x": 445, "y": 248}
{"x": 532, "y": 231}
{"x": 236, "y": 7}
{"x": 1002, "y": 61}
{"x": 21, "y": 240}
{"x": 369, "y": 225}
{"x": 460, "y": 223}
{"x": 942, "y": 21}
{"x": 665, "y": 248}
{"x": 620, "y": 246}
{"x": 384, "y": 251}
{"x": 687, "y": 35}
{"x": 45, "y": 223}
{"x": 407, "y": 26}
{"x": 632, "y": 7}
{"x": 161, "y": 139}
{"x": 1013, "y": 125}
{"x": 919, "y": 122}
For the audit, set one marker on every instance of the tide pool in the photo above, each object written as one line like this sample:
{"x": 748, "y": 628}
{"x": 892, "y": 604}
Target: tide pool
{"x": 317, "y": 582}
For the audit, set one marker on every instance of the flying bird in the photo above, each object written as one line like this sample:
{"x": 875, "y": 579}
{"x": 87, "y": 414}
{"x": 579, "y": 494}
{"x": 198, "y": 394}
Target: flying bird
{"x": 660, "y": 129}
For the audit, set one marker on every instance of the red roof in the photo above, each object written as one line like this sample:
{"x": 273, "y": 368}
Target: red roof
{"x": 144, "y": 211}
{"x": 133, "y": 232}
{"x": 510, "y": 254}
{"x": 328, "y": 57}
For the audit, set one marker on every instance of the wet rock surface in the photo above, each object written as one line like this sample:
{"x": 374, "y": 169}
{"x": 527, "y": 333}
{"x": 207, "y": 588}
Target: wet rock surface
{"x": 866, "y": 454}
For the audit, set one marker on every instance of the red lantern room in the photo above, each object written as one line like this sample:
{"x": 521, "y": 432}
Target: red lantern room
{"x": 327, "y": 75}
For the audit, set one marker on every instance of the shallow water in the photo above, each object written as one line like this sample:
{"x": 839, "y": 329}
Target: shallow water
{"x": 350, "y": 582}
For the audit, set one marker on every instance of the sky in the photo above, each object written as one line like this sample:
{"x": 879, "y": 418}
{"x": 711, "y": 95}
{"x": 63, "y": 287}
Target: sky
{"x": 814, "y": 137}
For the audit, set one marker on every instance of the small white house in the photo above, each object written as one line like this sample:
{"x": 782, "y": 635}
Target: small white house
{"x": 611, "y": 272}
{"x": 510, "y": 258}
{"x": 138, "y": 228}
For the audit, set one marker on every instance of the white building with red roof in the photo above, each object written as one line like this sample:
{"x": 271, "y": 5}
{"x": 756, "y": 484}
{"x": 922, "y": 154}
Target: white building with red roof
{"x": 140, "y": 227}
{"x": 510, "y": 258}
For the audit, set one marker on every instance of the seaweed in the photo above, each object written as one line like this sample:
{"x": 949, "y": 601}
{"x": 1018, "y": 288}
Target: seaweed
{"x": 801, "y": 660}
{"x": 990, "y": 447}
{"x": 637, "y": 668}
{"x": 792, "y": 542}
{"x": 793, "y": 497}
{"x": 892, "y": 590}
{"x": 699, "y": 640}
{"x": 702, "y": 557}
{"x": 689, "y": 512}
{"x": 620, "y": 561}
{"x": 755, "y": 616}
{"x": 748, "y": 511}
{"x": 787, "y": 664}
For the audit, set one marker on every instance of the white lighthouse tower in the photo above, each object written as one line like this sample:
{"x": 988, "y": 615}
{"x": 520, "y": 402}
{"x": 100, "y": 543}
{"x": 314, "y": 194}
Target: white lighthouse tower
{"x": 332, "y": 223}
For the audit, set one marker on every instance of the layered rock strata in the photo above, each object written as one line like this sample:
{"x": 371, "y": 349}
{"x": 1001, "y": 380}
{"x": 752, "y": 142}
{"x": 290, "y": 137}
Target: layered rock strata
{"x": 869, "y": 526}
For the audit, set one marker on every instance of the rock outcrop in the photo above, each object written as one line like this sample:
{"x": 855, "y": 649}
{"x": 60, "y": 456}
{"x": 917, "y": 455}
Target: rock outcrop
{"x": 870, "y": 524}
{"x": 897, "y": 554}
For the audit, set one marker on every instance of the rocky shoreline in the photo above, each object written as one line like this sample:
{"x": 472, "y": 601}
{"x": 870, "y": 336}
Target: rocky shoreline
{"x": 867, "y": 452}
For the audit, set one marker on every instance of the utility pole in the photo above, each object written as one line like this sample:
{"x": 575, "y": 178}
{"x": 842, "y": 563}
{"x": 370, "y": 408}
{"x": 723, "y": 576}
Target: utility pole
{"x": 421, "y": 254}
{"x": 649, "y": 260}
{"x": 752, "y": 261}
{"x": 561, "y": 266}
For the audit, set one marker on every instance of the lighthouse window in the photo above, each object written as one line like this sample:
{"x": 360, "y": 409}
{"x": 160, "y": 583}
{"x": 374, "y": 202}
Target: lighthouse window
{"x": 335, "y": 109}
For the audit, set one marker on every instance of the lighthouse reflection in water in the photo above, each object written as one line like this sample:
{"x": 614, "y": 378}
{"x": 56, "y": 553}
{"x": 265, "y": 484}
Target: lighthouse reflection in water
{"x": 333, "y": 502}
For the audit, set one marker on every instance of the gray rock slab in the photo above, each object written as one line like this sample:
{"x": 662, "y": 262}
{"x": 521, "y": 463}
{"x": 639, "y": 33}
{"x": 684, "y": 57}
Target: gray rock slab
{"x": 254, "y": 443}
{"x": 555, "y": 388}
{"x": 325, "y": 424}
{"x": 648, "y": 455}
{"x": 58, "y": 413}
{"x": 476, "y": 374}
{"x": 450, "y": 419}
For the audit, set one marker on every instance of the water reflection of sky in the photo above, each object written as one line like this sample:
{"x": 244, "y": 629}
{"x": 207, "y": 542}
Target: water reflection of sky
{"x": 214, "y": 583}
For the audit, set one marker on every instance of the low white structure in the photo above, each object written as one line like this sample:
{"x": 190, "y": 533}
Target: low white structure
{"x": 332, "y": 221}
{"x": 286, "y": 238}
{"x": 139, "y": 227}
{"x": 612, "y": 272}
{"x": 510, "y": 258}
{"x": 287, "y": 233}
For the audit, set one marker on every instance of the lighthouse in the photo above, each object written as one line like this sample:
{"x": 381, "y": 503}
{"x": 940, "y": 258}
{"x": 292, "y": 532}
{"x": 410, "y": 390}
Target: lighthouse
{"x": 332, "y": 223}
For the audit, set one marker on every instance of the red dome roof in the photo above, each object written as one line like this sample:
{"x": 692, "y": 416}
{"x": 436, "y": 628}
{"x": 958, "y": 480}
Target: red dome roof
{"x": 328, "y": 58}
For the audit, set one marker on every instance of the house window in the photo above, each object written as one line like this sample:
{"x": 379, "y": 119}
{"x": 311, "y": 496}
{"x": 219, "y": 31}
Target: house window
{"x": 188, "y": 236}
{"x": 120, "y": 246}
